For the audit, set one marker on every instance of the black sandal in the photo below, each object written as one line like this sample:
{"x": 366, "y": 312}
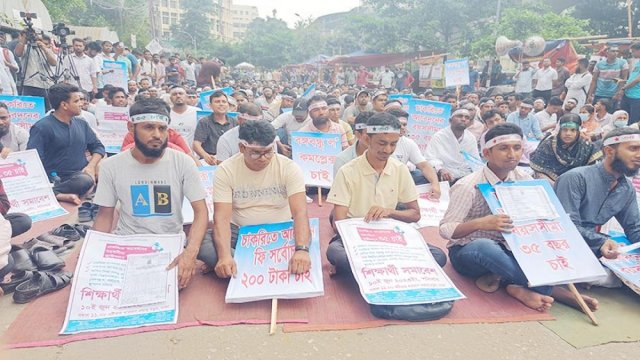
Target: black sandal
{"x": 18, "y": 278}
{"x": 41, "y": 283}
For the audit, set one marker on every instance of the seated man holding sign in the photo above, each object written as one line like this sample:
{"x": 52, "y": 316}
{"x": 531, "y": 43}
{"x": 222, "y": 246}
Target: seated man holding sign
{"x": 255, "y": 187}
{"x": 373, "y": 185}
{"x": 149, "y": 183}
{"x": 594, "y": 194}
{"x": 476, "y": 246}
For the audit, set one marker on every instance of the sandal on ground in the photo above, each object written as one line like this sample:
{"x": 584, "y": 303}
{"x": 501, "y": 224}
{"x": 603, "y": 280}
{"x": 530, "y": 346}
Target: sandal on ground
{"x": 57, "y": 241}
{"x": 22, "y": 260}
{"x": 67, "y": 231}
{"x": 82, "y": 229}
{"x": 47, "y": 260}
{"x": 39, "y": 245}
{"x": 41, "y": 283}
{"x": 85, "y": 214}
{"x": 17, "y": 278}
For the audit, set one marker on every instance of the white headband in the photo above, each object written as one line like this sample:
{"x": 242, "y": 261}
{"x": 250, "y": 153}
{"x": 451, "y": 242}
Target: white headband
{"x": 250, "y": 117}
{"x": 317, "y": 105}
{"x": 361, "y": 126}
{"x": 335, "y": 106}
{"x": 621, "y": 139}
{"x": 382, "y": 129}
{"x": 164, "y": 119}
{"x": 501, "y": 139}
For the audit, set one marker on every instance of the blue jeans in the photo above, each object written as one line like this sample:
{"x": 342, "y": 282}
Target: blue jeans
{"x": 484, "y": 256}
{"x": 418, "y": 177}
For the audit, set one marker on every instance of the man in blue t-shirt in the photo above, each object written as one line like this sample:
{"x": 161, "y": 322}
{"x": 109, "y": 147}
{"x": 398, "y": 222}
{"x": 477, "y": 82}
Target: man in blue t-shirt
{"x": 608, "y": 77}
{"x": 631, "y": 99}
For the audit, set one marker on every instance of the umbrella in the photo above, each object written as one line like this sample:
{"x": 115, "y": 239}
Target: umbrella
{"x": 245, "y": 66}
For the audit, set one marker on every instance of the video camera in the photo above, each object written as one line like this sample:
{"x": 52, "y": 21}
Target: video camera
{"x": 30, "y": 32}
{"x": 62, "y": 31}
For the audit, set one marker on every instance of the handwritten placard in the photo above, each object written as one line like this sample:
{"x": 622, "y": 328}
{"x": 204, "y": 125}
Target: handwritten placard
{"x": 393, "y": 265}
{"x": 207, "y": 175}
{"x": 456, "y": 72}
{"x": 550, "y": 252}
{"x": 262, "y": 257}
{"x": 99, "y": 282}
{"x": 25, "y": 110}
{"x": 425, "y": 119}
{"x": 112, "y": 126}
{"x": 27, "y": 186}
{"x": 432, "y": 210}
{"x": 315, "y": 153}
{"x": 115, "y": 73}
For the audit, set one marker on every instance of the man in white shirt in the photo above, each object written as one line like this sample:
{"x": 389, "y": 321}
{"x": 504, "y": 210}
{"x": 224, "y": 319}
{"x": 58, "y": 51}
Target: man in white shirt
{"x": 543, "y": 81}
{"x": 99, "y": 60}
{"x": 228, "y": 143}
{"x": 83, "y": 66}
{"x": 548, "y": 117}
{"x": 286, "y": 123}
{"x": 386, "y": 78}
{"x": 524, "y": 78}
{"x": 189, "y": 71}
{"x": 445, "y": 151}
{"x": 184, "y": 118}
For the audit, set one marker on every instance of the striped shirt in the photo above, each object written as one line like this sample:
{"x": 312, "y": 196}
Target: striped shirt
{"x": 467, "y": 203}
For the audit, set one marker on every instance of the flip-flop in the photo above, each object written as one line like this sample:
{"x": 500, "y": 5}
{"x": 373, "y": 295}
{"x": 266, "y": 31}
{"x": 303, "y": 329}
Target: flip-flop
{"x": 67, "y": 231}
{"x": 41, "y": 283}
{"x": 18, "y": 278}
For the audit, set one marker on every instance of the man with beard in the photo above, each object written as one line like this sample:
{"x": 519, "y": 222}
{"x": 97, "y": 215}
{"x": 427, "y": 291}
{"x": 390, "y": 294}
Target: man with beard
{"x": 84, "y": 66}
{"x": 62, "y": 139}
{"x": 132, "y": 87}
{"x": 266, "y": 99}
{"x": 287, "y": 123}
{"x": 184, "y": 118}
{"x": 12, "y": 137}
{"x": 592, "y": 195}
{"x": 445, "y": 151}
{"x": 118, "y": 97}
{"x": 161, "y": 71}
{"x": 320, "y": 123}
{"x": 148, "y": 183}
{"x": 361, "y": 104}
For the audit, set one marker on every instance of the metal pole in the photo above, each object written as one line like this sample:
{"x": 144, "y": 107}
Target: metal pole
{"x": 629, "y": 3}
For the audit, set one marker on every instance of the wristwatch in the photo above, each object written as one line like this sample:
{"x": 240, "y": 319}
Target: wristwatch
{"x": 302, "y": 248}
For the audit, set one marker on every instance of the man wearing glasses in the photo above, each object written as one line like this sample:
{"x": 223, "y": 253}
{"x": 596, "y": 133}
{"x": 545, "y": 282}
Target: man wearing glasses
{"x": 256, "y": 186}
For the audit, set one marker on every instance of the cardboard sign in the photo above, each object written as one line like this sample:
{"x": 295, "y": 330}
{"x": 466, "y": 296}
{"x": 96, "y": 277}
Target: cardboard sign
{"x": 112, "y": 126}
{"x": 207, "y": 175}
{"x": 432, "y": 210}
{"x": 549, "y": 251}
{"x": 315, "y": 153}
{"x": 118, "y": 74}
{"x": 393, "y": 265}
{"x": 25, "y": 110}
{"x": 27, "y": 186}
{"x": 262, "y": 256}
{"x": 456, "y": 72}
{"x": 425, "y": 119}
{"x": 104, "y": 276}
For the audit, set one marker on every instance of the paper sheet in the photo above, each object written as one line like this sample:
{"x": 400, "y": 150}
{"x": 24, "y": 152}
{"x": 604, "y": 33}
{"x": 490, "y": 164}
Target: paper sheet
{"x": 145, "y": 280}
{"x": 524, "y": 203}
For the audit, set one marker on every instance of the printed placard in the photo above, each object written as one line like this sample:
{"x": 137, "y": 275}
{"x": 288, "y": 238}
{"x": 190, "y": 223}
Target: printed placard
{"x": 25, "y": 110}
{"x": 27, "y": 186}
{"x": 549, "y": 251}
{"x": 99, "y": 282}
{"x": 432, "y": 210}
{"x": 207, "y": 175}
{"x": 262, "y": 257}
{"x": 115, "y": 73}
{"x": 315, "y": 153}
{"x": 112, "y": 126}
{"x": 456, "y": 72}
{"x": 403, "y": 98}
{"x": 425, "y": 119}
{"x": 393, "y": 265}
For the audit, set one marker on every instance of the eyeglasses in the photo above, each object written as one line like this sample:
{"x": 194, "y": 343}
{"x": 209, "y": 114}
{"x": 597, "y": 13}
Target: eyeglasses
{"x": 255, "y": 155}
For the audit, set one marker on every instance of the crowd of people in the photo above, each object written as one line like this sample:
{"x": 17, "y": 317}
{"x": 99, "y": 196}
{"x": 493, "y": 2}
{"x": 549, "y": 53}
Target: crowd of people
{"x": 556, "y": 126}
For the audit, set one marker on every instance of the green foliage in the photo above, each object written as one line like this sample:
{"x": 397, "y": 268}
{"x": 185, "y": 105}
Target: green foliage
{"x": 608, "y": 17}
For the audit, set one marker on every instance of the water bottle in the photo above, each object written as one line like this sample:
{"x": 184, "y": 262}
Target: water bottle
{"x": 55, "y": 178}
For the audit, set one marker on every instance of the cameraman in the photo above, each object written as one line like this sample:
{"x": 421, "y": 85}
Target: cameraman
{"x": 36, "y": 73}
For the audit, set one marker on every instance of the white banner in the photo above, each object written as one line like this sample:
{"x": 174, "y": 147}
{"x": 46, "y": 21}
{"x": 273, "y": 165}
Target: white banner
{"x": 393, "y": 264}
{"x": 115, "y": 273}
{"x": 112, "y": 126}
{"x": 432, "y": 210}
{"x": 207, "y": 175}
{"x": 27, "y": 186}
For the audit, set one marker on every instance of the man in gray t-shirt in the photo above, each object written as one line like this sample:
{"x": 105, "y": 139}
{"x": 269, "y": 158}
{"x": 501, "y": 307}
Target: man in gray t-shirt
{"x": 149, "y": 183}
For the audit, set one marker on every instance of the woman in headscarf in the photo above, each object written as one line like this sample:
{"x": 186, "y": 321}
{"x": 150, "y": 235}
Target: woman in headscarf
{"x": 561, "y": 152}
{"x": 619, "y": 119}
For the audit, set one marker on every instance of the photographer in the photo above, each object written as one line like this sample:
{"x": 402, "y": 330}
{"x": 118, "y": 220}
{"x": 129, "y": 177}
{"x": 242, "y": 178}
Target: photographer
{"x": 35, "y": 70}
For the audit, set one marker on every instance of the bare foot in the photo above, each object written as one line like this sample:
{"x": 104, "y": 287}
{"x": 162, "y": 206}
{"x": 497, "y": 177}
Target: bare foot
{"x": 489, "y": 283}
{"x": 530, "y": 298}
{"x": 566, "y": 297}
{"x": 70, "y": 198}
{"x": 332, "y": 270}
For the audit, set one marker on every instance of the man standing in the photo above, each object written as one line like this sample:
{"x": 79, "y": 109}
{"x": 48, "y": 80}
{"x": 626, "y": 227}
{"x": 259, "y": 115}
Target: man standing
{"x": 563, "y": 74}
{"x": 257, "y": 186}
{"x": 84, "y": 66}
{"x": 445, "y": 150}
{"x": 189, "y": 71}
{"x": 120, "y": 56}
{"x": 320, "y": 123}
{"x": 62, "y": 139}
{"x": 543, "y": 81}
{"x": 147, "y": 67}
{"x": 386, "y": 78}
{"x": 184, "y": 118}
{"x": 12, "y": 137}
{"x": 609, "y": 75}
{"x": 210, "y": 128}
{"x": 524, "y": 79}
{"x": 631, "y": 99}
{"x": 37, "y": 75}
{"x": 526, "y": 120}
{"x": 99, "y": 60}
{"x": 161, "y": 71}
{"x": 149, "y": 183}
{"x": 172, "y": 72}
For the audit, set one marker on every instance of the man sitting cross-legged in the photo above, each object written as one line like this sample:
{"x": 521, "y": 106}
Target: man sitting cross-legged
{"x": 476, "y": 246}
{"x": 149, "y": 183}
